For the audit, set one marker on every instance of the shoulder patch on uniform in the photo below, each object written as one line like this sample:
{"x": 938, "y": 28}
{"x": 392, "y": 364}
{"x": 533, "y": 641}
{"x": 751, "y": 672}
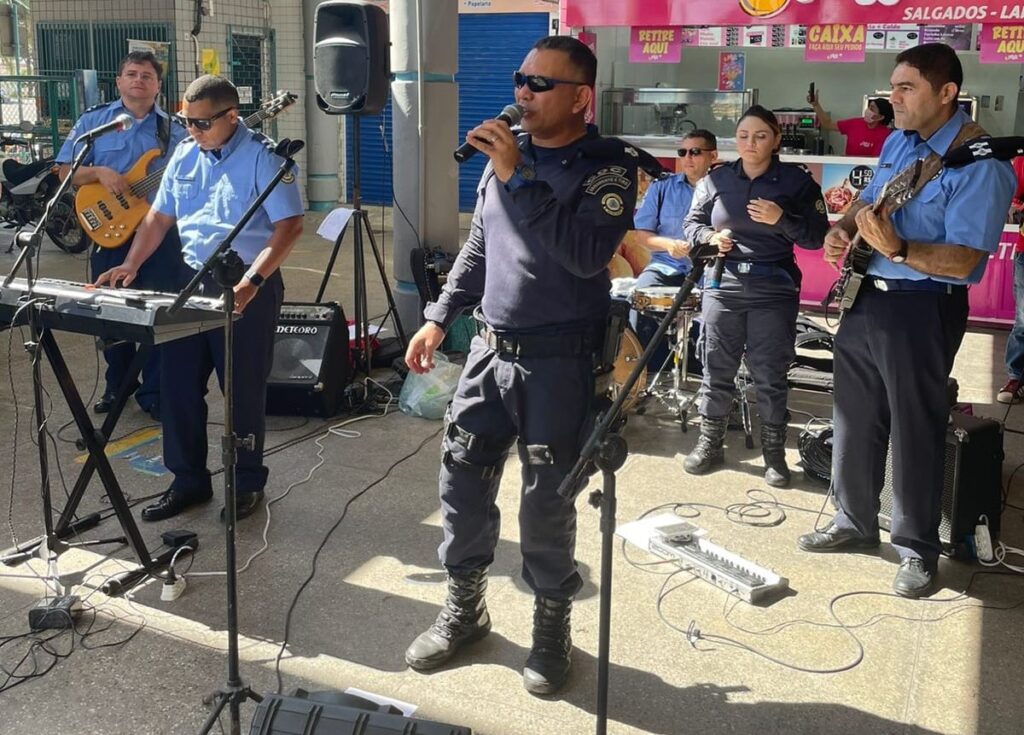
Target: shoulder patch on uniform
{"x": 605, "y": 177}
{"x": 630, "y": 150}
{"x": 819, "y": 205}
{"x": 612, "y": 204}
{"x": 100, "y": 106}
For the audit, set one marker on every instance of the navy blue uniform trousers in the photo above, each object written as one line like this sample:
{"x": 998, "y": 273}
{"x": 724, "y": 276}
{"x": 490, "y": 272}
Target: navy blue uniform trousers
{"x": 160, "y": 272}
{"x": 546, "y": 403}
{"x": 893, "y": 355}
{"x": 186, "y": 365}
{"x": 756, "y": 315}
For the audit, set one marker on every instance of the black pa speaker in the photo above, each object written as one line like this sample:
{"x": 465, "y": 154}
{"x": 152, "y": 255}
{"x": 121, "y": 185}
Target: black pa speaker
{"x": 311, "y": 366}
{"x": 972, "y": 483}
{"x": 351, "y": 59}
{"x": 299, "y": 715}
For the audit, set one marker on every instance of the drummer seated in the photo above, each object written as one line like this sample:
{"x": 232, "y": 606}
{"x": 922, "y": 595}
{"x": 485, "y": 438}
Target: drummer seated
{"x": 659, "y": 225}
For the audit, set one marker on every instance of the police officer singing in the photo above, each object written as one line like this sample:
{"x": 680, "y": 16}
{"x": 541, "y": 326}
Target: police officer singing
{"x": 552, "y": 206}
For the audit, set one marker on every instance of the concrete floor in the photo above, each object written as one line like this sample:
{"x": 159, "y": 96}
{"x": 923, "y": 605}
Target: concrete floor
{"x": 950, "y": 664}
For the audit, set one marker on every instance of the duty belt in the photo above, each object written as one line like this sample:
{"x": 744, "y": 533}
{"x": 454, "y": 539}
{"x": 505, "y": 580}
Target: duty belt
{"x": 538, "y": 345}
{"x": 755, "y": 268}
{"x": 906, "y": 284}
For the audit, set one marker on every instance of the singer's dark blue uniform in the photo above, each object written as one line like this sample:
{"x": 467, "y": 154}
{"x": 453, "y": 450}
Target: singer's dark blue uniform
{"x": 895, "y": 348}
{"x": 755, "y": 307}
{"x": 120, "y": 151}
{"x": 536, "y": 261}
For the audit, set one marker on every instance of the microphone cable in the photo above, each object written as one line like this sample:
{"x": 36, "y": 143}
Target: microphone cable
{"x": 815, "y": 447}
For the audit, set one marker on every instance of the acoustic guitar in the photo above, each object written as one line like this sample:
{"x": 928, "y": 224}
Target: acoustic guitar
{"x": 110, "y": 219}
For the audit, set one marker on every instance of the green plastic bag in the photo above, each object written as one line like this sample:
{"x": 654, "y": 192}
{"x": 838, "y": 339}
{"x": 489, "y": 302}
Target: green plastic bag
{"x": 429, "y": 394}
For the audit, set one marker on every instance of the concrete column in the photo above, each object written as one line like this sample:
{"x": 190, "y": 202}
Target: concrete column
{"x": 425, "y": 99}
{"x": 323, "y": 186}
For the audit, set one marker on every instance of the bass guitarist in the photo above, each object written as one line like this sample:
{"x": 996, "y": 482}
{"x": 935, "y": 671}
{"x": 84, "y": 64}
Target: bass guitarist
{"x": 138, "y": 84}
{"x": 895, "y": 347}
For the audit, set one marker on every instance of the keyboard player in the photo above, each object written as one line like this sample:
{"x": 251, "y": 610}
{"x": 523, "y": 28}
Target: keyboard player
{"x": 209, "y": 183}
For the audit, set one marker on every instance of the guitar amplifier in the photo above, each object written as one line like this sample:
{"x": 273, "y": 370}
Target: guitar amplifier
{"x": 311, "y": 362}
{"x": 972, "y": 482}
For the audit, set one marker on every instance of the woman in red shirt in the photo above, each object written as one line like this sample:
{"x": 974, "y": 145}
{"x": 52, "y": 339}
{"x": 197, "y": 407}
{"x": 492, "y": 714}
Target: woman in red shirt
{"x": 864, "y": 135}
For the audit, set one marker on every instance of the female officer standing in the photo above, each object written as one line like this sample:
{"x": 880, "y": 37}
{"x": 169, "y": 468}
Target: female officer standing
{"x": 767, "y": 206}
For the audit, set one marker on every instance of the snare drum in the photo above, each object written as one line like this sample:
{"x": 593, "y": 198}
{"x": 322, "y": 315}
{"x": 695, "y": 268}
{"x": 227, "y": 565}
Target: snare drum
{"x": 630, "y": 351}
{"x": 658, "y": 299}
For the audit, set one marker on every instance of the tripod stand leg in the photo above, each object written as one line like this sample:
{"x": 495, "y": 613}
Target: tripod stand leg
{"x": 384, "y": 280}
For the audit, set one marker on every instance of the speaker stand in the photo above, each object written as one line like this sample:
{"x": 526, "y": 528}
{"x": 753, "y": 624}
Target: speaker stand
{"x": 361, "y": 343}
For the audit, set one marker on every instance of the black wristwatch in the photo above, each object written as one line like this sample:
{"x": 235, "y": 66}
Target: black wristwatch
{"x": 900, "y": 256}
{"x": 254, "y": 277}
{"x": 524, "y": 175}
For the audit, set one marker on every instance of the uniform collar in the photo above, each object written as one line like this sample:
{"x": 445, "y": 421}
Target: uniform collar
{"x": 943, "y": 137}
{"x": 681, "y": 179}
{"x": 118, "y": 104}
{"x": 570, "y": 151}
{"x": 771, "y": 172}
{"x": 233, "y": 142}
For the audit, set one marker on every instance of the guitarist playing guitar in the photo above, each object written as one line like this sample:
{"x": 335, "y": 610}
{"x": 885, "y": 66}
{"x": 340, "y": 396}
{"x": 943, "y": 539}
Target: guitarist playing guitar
{"x": 895, "y": 346}
{"x": 138, "y": 84}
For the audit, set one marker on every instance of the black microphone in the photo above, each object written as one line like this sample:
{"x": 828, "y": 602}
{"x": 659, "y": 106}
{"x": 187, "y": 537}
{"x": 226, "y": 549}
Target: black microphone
{"x": 715, "y": 279}
{"x": 511, "y": 115}
{"x": 287, "y": 147}
{"x": 123, "y": 121}
{"x": 979, "y": 149}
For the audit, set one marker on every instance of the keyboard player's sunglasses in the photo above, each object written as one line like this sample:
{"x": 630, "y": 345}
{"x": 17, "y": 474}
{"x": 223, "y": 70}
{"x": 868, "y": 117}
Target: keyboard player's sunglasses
{"x": 537, "y": 83}
{"x": 202, "y": 123}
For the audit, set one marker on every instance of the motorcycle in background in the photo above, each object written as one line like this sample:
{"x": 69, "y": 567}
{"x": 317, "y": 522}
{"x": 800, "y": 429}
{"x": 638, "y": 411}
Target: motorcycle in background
{"x": 25, "y": 189}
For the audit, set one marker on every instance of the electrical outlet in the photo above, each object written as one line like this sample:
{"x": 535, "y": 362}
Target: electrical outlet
{"x": 999, "y": 103}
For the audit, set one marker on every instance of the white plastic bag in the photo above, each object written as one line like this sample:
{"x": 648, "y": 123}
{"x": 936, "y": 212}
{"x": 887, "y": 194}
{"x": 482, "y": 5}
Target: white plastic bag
{"x": 429, "y": 394}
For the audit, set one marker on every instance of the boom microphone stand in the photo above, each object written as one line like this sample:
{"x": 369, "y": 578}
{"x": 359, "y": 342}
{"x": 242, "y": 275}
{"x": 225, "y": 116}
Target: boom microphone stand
{"x": 608, "y": 451}
{"x": 227, "y": 269}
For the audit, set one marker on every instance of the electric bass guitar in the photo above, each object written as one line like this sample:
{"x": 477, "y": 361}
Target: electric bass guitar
{"x": 110, "y": 219}
{"x": 896, "y": 192}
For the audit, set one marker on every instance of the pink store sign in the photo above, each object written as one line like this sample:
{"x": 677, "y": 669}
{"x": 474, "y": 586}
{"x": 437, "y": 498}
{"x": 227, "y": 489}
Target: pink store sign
{"x": 655, "y": 45}
{"x": 580, "y": 13}
{"x": 835, "y": 43}
{"x": 1002, "y": 44}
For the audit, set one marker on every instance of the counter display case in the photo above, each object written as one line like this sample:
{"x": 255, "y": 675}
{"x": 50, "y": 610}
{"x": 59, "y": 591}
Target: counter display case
{"x": 671, "y": 113}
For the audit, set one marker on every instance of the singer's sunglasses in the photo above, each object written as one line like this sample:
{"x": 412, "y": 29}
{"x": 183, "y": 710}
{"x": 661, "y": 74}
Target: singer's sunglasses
{"x": 537, "y": 83}
{"x": 684, "y": 152}
{"x": 202, "y": 123}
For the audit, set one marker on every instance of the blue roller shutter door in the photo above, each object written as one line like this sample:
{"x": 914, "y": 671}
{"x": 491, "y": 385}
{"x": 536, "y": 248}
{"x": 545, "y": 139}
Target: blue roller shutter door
{"x": 491, "y": 47}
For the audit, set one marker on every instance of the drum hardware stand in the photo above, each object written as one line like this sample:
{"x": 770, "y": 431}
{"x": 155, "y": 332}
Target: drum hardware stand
{"x": 362, "y": 340}
{"x": 678, "y": 363}
{"x": 608, "y": 451}
{"x": 227, "y": 270}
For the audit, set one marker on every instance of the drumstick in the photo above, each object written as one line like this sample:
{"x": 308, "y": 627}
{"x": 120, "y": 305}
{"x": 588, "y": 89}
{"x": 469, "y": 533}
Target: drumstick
{"x": 715, "y": 279}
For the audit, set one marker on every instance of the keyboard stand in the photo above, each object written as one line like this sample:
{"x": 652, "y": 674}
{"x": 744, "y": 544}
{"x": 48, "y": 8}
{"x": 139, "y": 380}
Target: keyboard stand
{"x": 95, "y": 442}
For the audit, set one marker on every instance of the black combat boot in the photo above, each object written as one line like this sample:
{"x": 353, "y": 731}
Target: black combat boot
{"x": 547, "y": 667}
{"x": 708, "y": 453}
{"x": 463, "y": 619}
{"x": 773, "y": 449}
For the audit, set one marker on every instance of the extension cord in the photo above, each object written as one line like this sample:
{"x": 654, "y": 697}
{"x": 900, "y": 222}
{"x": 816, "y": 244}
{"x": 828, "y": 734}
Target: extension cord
{"x": 171, "y": 591}
{"x": 983, "y": 543}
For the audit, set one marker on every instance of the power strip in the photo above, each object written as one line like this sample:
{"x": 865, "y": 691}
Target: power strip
{"x": 983, "y": 541}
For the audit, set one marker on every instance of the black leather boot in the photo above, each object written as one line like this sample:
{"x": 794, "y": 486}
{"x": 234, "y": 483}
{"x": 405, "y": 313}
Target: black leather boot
{"x": 463, "y": 619}
{"x": 773, "y": 449}
{"x": 708, "y": 453}
{"x": 547, "y": 667}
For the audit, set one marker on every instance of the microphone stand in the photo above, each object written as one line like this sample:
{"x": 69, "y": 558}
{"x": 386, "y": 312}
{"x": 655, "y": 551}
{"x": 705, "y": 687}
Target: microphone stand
{"x": 227, "y": 269}
{"x": 608, "y": 451}
{"x": 29, "y": 242}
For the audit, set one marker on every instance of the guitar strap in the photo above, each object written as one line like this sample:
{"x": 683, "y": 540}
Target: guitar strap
{"x": 163, "y": 133}
{"x": 932, "y": 166}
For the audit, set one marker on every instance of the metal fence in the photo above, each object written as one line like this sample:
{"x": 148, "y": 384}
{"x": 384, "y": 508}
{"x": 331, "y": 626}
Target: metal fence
{"x": 64, "y": 46}
{"x": 42, "y": 108}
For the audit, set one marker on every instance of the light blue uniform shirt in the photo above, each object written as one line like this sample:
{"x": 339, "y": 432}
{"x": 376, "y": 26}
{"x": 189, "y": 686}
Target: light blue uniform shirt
{"x": 963, "y": 206}
{"x": 208, "y": 195}
{"x": 122, "y": 150}
{"x": 663, "y": 210}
